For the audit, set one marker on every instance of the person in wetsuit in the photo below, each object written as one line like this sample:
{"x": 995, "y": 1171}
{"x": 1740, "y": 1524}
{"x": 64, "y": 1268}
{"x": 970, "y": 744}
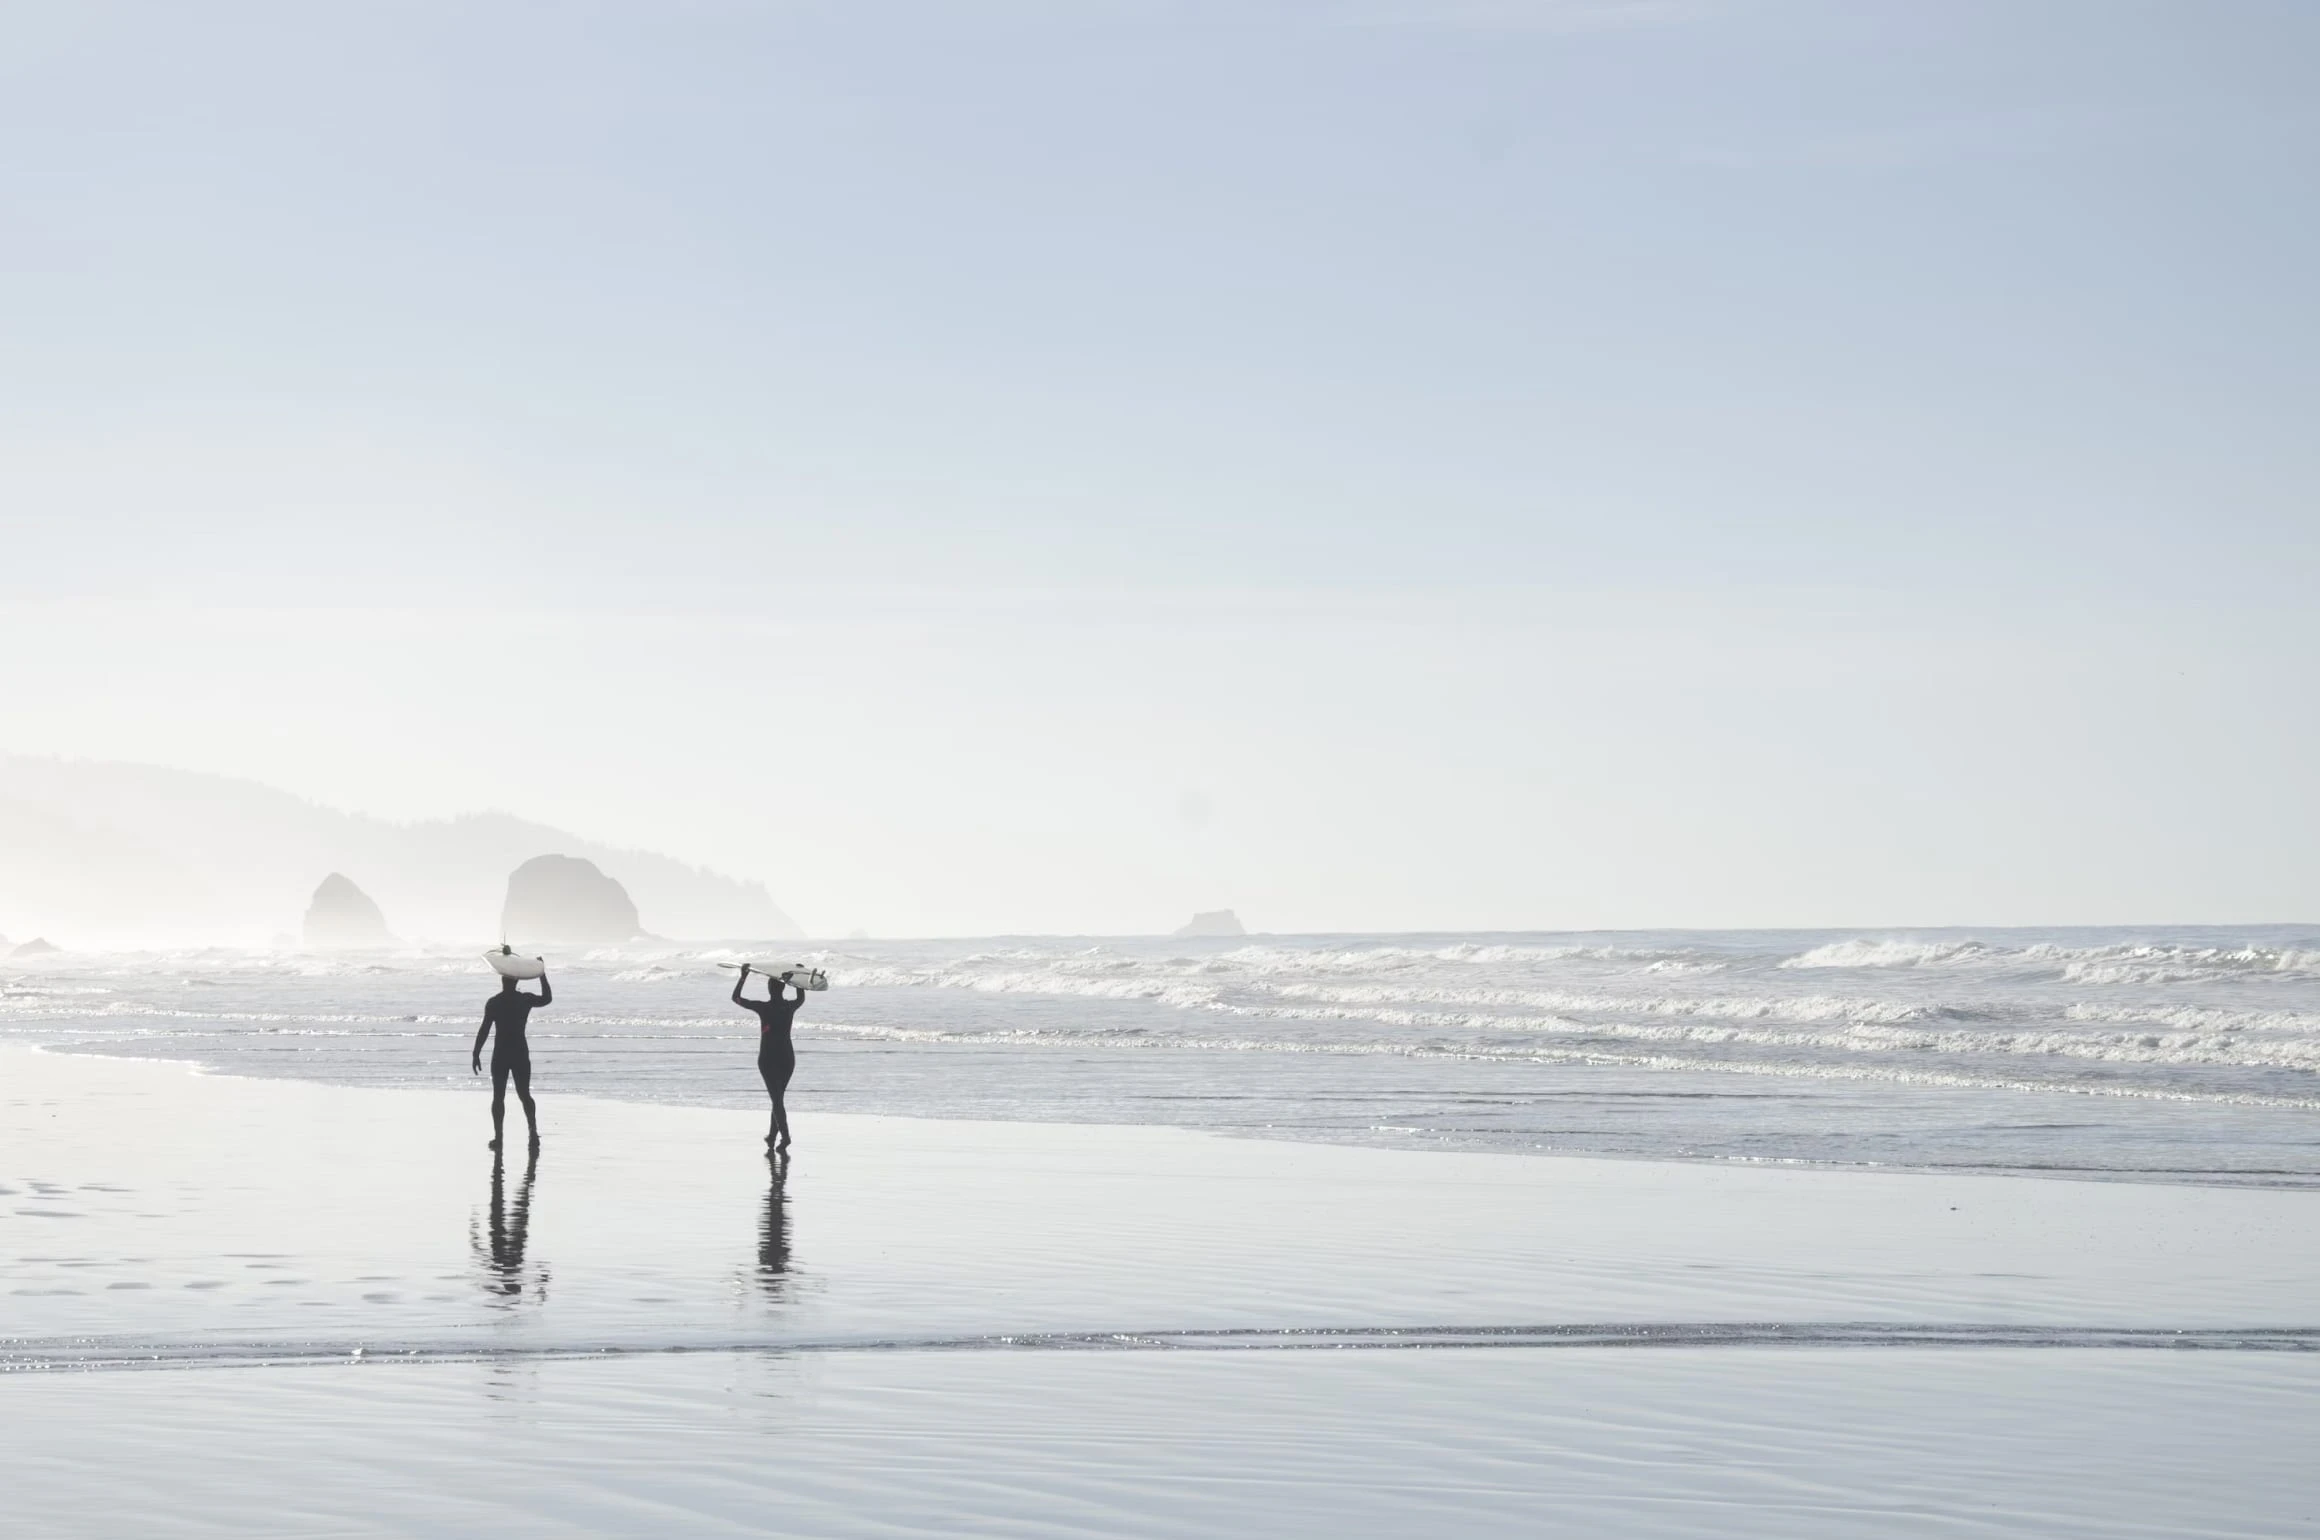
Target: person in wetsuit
{"x": 776, "y": 1056}
{"x": 510, "y": 1010}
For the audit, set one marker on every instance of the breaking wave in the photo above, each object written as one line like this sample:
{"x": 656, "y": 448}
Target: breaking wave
{"x": 2123, "y": 963}
{"x": 1489, "y": 1027}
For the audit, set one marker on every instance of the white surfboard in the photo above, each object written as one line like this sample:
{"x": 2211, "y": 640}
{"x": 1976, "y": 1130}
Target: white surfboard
{"x": 795, "y": 974}
{"x": 511, "y": 966}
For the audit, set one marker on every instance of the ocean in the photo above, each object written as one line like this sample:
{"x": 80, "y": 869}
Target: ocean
{"x": 2164, "y": 1054}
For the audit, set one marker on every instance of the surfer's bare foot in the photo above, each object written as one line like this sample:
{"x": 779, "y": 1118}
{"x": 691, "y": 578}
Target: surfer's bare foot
{"x": 493, "y": 1145}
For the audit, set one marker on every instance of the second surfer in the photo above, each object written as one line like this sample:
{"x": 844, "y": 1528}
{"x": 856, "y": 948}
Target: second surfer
{"x": 776, "y": 1055}
{"x": 510, "y": 1010}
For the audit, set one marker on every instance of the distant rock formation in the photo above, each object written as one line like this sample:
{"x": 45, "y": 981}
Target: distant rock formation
{"x": 38, "y": 946}
{"x": 343, "y": 915}
{"x": 564, "y": 898}
{"x": 120, "y": 855}
{"x": 1215, "y": 922}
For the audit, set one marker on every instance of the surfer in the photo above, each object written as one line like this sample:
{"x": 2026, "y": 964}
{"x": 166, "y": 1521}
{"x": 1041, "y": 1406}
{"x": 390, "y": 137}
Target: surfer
{"x": 776, "y": 1056}
{"x": 510, "y": 1010}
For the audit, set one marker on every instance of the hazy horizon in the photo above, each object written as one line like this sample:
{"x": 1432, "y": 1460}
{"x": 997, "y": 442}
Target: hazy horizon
{"x": 1028, "y": 468}
{"x": 107, "y": 855}
{"x": 21, "y": 907}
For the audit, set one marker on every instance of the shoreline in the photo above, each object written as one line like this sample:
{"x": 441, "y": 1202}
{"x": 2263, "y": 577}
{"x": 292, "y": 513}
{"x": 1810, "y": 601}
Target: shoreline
{"x": 2179, "y": 1058}
{"x": 2222, "y": 1180}
{"x": 1597, "y": 1338}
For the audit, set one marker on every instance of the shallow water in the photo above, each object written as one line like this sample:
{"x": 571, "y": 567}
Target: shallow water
{"x": 259, "y": 1307}
{"x": 2170, "y": 1054}
{"x": 152, "y": 1215}
{"x": 1809, "y": 1443}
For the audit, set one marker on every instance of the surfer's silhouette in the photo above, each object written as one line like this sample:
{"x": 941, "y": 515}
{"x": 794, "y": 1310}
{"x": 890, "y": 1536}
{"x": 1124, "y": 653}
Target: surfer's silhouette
{"x": 510, "y": 1010}
{"x": 776, "y": 1055}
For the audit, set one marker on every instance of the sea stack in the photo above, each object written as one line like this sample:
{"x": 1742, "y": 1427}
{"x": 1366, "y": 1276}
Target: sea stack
{"x": 343, "y": 915}
{"x": 38, "y": 946}
{"x": 1213, "y": 922}
{"x": 563, "y": 898}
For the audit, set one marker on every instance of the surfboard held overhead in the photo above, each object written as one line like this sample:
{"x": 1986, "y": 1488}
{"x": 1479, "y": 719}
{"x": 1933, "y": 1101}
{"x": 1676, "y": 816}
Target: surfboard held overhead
{"x": 797, "y": 975}
{"x": 511, "y": 966}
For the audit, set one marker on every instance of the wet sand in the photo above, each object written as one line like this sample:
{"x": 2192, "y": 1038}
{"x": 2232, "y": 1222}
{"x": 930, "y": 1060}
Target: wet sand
{"x": 264, "y": 1307}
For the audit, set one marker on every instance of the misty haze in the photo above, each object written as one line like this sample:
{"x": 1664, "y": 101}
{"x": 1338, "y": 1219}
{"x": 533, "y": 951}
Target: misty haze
{"x": 135, "y": 855}
{"x": 1022, "y": 768}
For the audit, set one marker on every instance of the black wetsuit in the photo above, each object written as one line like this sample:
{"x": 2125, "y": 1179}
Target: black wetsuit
{"x": 776, "y": 1055}
{"x": 511, "y": 1051}
{"x": 505, "y": 1016}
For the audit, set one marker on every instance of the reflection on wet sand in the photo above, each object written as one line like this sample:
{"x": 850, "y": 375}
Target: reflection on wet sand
{"x": 499, "y": 1244}
{"x": 773, "y": 1229}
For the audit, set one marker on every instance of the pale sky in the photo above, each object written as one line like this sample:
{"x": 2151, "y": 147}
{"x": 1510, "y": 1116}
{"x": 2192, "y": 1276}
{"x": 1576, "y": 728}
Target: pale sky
{"x": 1028, "y": 466}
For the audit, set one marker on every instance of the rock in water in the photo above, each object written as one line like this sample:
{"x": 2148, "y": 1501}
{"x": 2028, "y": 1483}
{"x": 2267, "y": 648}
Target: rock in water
{"x": 563, "y": 898}
{"x": 38, "y": 946}
{"x": 343, "y": 915}
{"x": 1215, "y": 922}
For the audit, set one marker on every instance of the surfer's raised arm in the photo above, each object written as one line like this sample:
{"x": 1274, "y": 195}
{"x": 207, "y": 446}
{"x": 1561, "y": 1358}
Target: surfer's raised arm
{"x": 737, "y": 983}
{"x": 547, "y": 990}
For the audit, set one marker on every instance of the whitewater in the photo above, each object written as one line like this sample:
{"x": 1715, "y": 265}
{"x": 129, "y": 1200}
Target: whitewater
{"x": 2158, "y": 1054}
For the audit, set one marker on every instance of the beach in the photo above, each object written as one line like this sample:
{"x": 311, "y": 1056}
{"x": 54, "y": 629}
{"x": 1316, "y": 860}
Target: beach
{"x": 1528, "y": 768}
{"x": 268, "y": 1307}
